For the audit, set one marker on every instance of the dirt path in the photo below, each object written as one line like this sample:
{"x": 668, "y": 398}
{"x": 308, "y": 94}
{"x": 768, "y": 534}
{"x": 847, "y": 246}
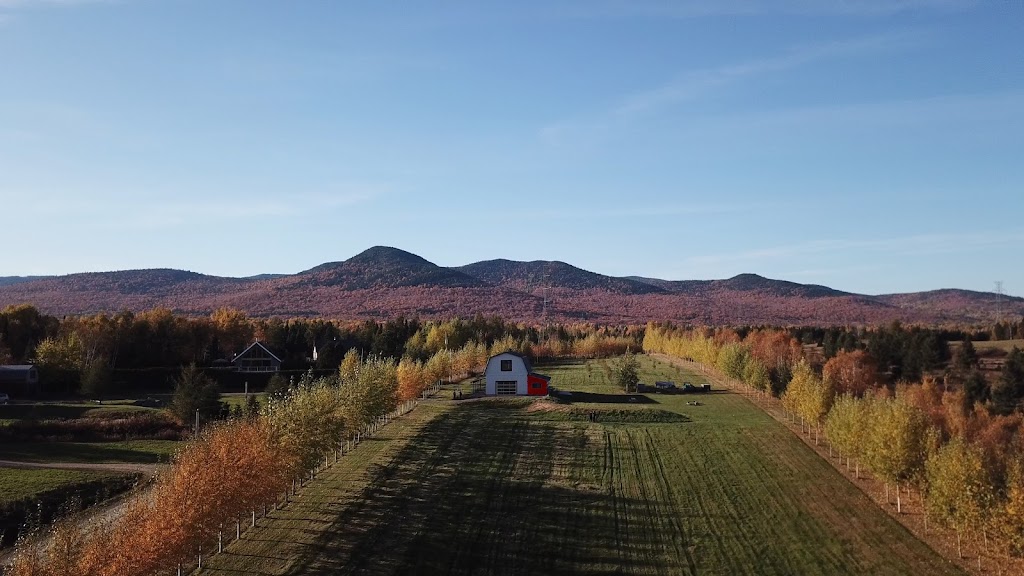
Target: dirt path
{"x": 913, "y": 518}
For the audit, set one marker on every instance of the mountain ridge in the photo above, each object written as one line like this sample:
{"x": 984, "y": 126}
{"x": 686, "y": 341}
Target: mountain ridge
{"x": 385, "y": 280}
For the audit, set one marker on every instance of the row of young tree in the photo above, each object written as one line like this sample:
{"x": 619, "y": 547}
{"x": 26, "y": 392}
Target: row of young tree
{"x": 225, "y": 476}
{"x": 963, "y": 456}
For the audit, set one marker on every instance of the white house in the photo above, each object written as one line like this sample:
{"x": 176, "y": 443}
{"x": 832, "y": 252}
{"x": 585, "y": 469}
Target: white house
{"x": 510, "y": 374}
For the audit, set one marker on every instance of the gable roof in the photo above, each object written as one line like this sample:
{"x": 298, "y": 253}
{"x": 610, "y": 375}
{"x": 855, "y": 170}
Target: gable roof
{"x": 256, "y": 343}
{"x": 529, "y": 367}
{"x": 18, "y": 373}
{"x": 16, "y": 367}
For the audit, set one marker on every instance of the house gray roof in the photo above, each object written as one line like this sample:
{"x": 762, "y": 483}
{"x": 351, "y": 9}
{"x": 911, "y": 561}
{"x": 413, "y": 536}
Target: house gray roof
{"x": 16, "y": 372}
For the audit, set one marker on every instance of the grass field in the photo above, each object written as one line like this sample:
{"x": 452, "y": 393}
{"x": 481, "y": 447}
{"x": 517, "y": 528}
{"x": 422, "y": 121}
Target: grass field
{"x": 1004, "y": 345}
{"x": 16, "y": 484}
{"x": 514, "y": 487}
{"x": 134, "y": 451}
{"x": 236, "y": 399}
{"x": 48, "y": 411}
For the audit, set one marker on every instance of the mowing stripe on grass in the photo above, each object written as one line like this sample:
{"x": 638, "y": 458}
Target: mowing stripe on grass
{"x": 500, "y": 488}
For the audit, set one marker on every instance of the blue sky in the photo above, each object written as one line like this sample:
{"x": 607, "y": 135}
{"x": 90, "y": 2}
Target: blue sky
{"x": 873, "y": 146}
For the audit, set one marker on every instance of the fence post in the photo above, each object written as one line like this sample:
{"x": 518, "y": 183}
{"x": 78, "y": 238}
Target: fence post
{"x": 220, "y": 541}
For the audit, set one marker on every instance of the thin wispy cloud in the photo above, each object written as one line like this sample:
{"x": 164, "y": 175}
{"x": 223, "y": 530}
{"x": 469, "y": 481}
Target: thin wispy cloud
{"x": 111, "y": 212}
{"x": 905, "y": 245}
{"x": 628, "y": 209}
{"x": 699, "y": 83}
{"x": 999, "y": 107}
{"x": 688, "y": 9}
{"x": 710, "y": 82}
{"x": 177, "y": 214}
{"x": 38, "y": 3}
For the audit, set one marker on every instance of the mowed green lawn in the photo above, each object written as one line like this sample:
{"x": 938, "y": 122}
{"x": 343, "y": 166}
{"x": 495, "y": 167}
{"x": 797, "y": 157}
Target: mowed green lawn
{"x": 514, "y": 487}
{"x": 132, "y": 451}
{"x": 16, "y": 484}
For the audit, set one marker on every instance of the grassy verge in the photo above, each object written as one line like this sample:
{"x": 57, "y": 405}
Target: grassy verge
{"x": 36, "y": 497}
{"x": 233, "y": 400}
{"x": 503, "y": 488}
{"x": 133, "y": 451}
{"x": 50, "y": 411}
{"x": 19, "y": 484}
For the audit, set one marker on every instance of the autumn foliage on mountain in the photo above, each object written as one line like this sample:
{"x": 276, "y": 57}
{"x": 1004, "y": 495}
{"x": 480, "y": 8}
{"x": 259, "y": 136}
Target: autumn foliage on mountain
{"x": 384, "y": 282}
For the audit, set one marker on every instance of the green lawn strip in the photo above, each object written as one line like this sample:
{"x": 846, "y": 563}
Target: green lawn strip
{"x": 296, "y": 535}
{"x": 495, "y": 488}
{"x": 131, "y": 451}
{"x": 233, "y": 400}
{"x": 67, "y": 411}
{"x": 17, "y": 484}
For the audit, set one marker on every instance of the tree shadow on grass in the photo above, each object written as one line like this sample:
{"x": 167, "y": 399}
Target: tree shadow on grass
{"x": 477, "y": 492}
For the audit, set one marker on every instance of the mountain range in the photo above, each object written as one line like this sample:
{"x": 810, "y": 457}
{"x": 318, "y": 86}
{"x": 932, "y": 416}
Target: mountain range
{"x": 385, "y": 282}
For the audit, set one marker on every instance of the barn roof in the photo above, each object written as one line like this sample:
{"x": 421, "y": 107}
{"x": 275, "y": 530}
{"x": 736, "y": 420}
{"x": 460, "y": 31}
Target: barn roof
{"x": 543, "y": 377}
{"x": 529, "y": 367}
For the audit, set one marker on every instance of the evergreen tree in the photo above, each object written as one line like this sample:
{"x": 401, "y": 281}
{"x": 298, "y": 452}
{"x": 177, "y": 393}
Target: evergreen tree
{"x": 976, "y": 389}
{"x": 193, "y": 391}
{"x": 252, "y": 406}
{"x": 1009, "y": 390}
{"x": 966, "y": 357}
{"x": 277, "y": 386}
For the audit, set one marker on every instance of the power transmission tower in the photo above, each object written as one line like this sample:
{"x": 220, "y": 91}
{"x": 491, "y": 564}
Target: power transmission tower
{"x": 999, "y": 302}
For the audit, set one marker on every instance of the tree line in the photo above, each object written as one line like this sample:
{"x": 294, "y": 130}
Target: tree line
{"x": 85, "y": 353}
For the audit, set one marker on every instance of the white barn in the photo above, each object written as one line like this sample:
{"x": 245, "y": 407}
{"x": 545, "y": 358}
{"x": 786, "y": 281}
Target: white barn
{"x": 509, "y": 374}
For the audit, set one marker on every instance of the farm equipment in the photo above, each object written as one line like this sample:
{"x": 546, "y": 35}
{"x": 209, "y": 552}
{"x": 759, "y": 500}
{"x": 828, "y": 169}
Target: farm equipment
{"x": 665, "y": 387}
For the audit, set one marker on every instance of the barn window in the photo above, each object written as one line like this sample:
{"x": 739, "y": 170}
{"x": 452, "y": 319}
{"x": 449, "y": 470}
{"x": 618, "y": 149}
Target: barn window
{"x": 535, "y": 385}
{"x": 506, "y": 365}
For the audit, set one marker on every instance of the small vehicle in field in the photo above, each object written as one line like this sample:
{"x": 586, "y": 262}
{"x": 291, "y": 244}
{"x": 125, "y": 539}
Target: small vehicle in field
{"x": 665, "y": 387}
